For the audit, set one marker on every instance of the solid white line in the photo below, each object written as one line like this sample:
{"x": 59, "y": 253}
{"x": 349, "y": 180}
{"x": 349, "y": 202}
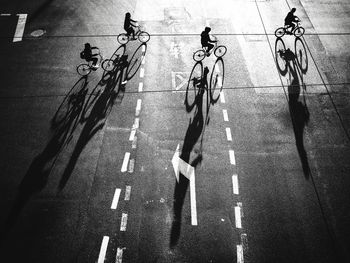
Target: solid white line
{"x": 125, "y": 162}
{"x": 235, "y": 184}
{"x": 140, "y": 87}
{"x": 222, "y": 97}
{"x": 124, "y": 222}
{"x": 142, "y": 72}
{"x": 115, "y": 198}
{"x": 127, "y": 193}
{"x": 138, "y": 107}
{"x": 225, "y": 115}
{"x": 101, "y": 257}
{"x": 193, "y": 201}
{"x": 119, "y": 255}
{"x": 240, "y": 257}
{"x": 22, "y": 18}
{"x": 232, "y": 157}
{"x": 228, "y": 134}
{"x": 238, "y": 217}
{"x": 132, "y": 134}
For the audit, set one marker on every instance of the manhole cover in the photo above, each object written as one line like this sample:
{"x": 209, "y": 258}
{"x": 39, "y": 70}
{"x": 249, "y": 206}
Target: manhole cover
{"x": 38, "y": 33}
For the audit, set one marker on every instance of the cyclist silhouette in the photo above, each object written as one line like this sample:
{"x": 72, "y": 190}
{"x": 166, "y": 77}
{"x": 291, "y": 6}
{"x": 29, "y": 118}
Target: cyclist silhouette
{"x": 206, "y": 41}
{"x": 290, "y": 20}
{"x": 129, "y": 25}
{"x": 88, "y": 56}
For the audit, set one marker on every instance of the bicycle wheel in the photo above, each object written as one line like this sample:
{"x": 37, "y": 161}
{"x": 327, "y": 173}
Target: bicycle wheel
{"x": 83, "y": 69}
{"x": 281, "y": 63}
{"x": 191, "y": 89}
{"x": 123, "y": 38}
{"x": 299, "y": 31}
{"x": 217, "y": 80}
{"x": 220, "y": 51}
{"x": 301, "y": 55}
{"x": 143, "y": 37}
{"x": 280, "y": 32}
{"x": 108, "y": 65}
{"x": 199, "y": 55}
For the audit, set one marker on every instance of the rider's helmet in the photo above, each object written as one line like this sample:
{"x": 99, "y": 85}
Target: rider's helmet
{"x": 87, "y": 46}
{"x": 293, "y": 9}
{"x": 207, "y": 29}
{"x": 127, "y": 14}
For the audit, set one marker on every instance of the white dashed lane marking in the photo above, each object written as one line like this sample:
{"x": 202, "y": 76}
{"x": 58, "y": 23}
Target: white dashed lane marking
{"x": 142, "y": 72}
{"x": 115, "y": 198}
{"x": 125, "y": 162}
{"x": 119, "y": 255}
{"x": 193, "y": 201}
{"x": 138, "y": 107}
{"x": 235, "y": 184}
{"x": 124, "y": 222}
{"x": 127, "y": 193}
{"x": 232, "y": 157}
{"x": 224, "y": 112}
{"x": 240, "y": 257}
{"x": 140, "y": 87}
{"x": 238, "y": 216}
{"x": 5, "y": 14}
{"x": 228, "y": 134}
{"x": 103, "y": 250}
{"x": 22, "y": 18}
{"x": 222, "y": 97}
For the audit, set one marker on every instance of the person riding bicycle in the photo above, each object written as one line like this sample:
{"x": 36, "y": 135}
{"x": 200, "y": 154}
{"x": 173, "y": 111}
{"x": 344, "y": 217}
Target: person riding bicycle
{"x": 206, "y": 41}
{"x": 88, "y": 56}
{"x": 291, "y": 20}
{"x": 129, "y": 26}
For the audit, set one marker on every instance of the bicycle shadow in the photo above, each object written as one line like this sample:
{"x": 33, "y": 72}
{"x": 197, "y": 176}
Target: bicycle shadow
{"x": 63, "y": 125}
{"x": 298, "y": 109}
{"x": 194, "y": 133}
{"x": 100, "y": 103}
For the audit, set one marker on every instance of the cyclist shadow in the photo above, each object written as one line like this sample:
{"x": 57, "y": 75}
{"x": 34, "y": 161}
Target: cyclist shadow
{"x": 299, "y": 112}
{"x": 194, "y": 133}
{"x": 63, "y": 125}
{"x": 101, "y": 101}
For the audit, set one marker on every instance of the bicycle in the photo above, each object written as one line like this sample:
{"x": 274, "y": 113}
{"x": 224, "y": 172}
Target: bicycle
{"x": 298, "y": 31}
{"x": 85, "y": 69}
{"x": 219, "y": 51}
{"x": 142, "y": 36}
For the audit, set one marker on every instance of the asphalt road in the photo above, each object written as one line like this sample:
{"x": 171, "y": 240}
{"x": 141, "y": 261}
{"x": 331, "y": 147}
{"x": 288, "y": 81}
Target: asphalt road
{"x": 88, "y": 164}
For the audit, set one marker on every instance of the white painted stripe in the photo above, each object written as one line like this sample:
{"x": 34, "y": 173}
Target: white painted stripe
{"x": 134, "y": 143}
{"x": 228, "y": 134}
{"x": 193, "y": 201}
{"x": 222, "y": 97}
{"x": 124, "y": 222}
{"x": 131, "y": 166}
{"x": 115, "y": 198}
{"x": 119, "y": 255}
{"x": 143, "y": 60}
{"x": 103, "y": 249}
{"x": 136, "y": 123}
{"x": 225, "y": 115}
{"x": 235, "y": 184}
{"x": 240, "y": 258}
{"x": 5, "y": 14}
{"x": 132, "y": 134}
{"x": 140, "y": 87}
{"x": 219, "y": 81}
{"x": 138, "y": 107}
{"x": 22, "y": 18}
{"x": 125, "y": 162}
{"x": 127, "y": 193}
{"x": 143, "y": 48}
{"x": 217, "y": 69}
{"x": 142, "y": 72}
{"x": 232, "y": 157}
{"x": 238, "y": 217}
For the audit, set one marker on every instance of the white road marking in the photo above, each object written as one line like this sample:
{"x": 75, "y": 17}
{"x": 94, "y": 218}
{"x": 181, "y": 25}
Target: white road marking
{"x": 142, "y": 72}
{"x": 193, "y": 201}
{"x": 143, "y": 48}
{"x": 116, "y": 198}
{"x": 232, "y": 157}
{"x": 124, "y": 222}
{"x": 240, "y": 258}
{"x": 134, "y": 143}
{"x": 238, "y": 217}
{"x": 225, "y": 115}
{"x": 138, "y": 107}
{"x": 228, "y": 134}
{"x": 136, "y": 123}
{"x": 235, "y": 184}
{"x": 22, "y": 18}
{"x": 140, "y": 87}
{"x": 143, "y": 59}
{"x": 132, "y": 134}
{"x": 5, "y": 14}
{"x": 222, "y": 97}
{"x": 119, "y": 255}
{"x": 103, "y": 249}
{"x": 131, "y": 166}
{"x": 125, "y": 162}
{"x": 219, "y": 81}
{"x": 127, "y": 193}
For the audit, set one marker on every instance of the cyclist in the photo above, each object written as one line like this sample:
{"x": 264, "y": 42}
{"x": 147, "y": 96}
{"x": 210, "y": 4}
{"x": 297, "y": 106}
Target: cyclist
{"x": 129, "y": 24}
{"x": 291, "y": 20}
{"x": 88, "y": 56}
{"x": 206, "y": 41}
